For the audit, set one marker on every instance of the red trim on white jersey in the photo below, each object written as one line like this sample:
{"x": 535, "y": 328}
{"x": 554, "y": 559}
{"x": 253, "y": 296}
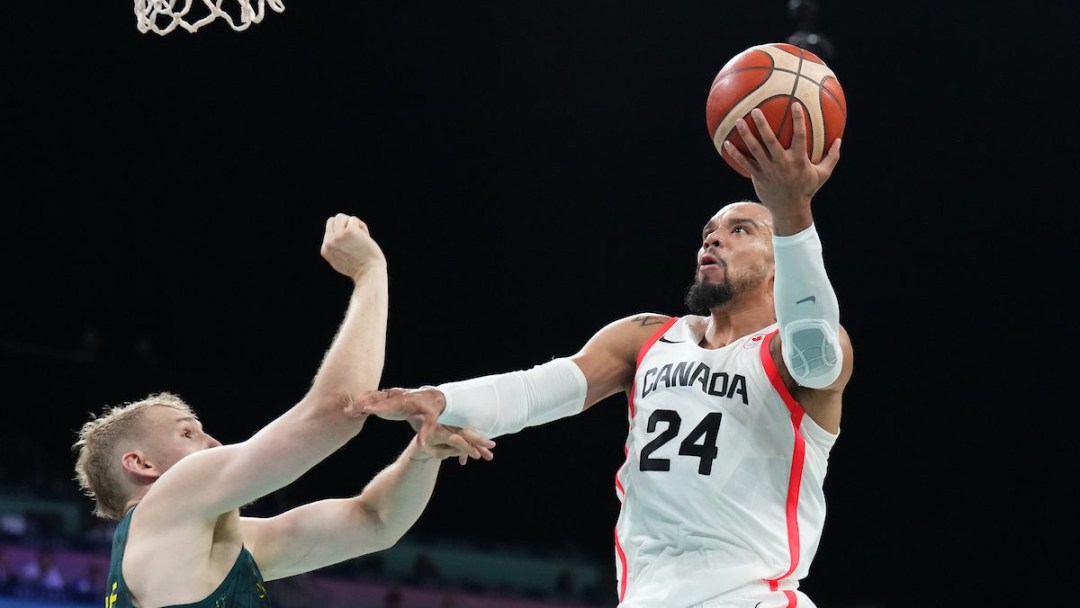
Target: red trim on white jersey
{"x": 798, "y": 458}
{"x": 621, "y": 491}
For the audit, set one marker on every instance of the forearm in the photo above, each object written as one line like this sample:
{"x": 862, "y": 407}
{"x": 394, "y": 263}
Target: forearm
{"x": 354, "y": 362}
{"x": 506, "y": 403}
{"x": 317, "y": 426}
{"x": 398, "y": 495}
{"x": 329, "y": 531}
{"x": 806, "y": 310}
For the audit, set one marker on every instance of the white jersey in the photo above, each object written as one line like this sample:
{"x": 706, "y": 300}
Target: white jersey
{"x": 722, "y": 488}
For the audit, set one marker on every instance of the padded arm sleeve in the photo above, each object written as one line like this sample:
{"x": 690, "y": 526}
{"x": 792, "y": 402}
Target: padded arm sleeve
{"x": 506, "y": 403}
{"x": 806, "y": 310}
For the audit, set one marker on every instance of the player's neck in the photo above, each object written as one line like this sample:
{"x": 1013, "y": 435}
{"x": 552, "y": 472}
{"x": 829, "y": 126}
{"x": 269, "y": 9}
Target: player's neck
{"x": 131, "y": 504}
{"x": 732, "y": 321}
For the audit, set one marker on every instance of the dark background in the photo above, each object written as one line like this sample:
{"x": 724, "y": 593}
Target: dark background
{"x": 533, "y": 171}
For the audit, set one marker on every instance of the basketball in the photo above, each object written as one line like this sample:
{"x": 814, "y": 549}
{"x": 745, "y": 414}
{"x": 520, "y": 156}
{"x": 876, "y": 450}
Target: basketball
{"x": 770, "y": 77}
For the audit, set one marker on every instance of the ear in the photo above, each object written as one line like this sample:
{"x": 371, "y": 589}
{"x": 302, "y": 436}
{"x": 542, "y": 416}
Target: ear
{"x": 136, "y": 463}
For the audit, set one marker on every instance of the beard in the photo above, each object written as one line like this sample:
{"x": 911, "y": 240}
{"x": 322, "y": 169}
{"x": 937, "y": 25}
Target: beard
{"x": 701, "y": 297}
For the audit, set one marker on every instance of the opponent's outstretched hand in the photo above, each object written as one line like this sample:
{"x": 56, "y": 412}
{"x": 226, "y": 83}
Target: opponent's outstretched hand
{"x": 421, "y": 408}
{"x": 450, "y": 441}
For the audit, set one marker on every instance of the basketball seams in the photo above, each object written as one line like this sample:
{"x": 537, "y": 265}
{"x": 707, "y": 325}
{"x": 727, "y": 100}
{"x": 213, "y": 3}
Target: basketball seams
{"x": 806, "y": 73}
{"x": 753, "y": 99}
{"x": 816, "y": 117}
{"x": 771, "y": 76}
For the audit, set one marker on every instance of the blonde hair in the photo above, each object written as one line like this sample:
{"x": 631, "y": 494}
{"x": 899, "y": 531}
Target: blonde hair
{"x": 102, "y": 440}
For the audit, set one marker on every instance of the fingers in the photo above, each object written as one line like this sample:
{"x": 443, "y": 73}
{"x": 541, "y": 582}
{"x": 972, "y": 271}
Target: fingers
{"x": 753, "y": 144}
{"x": 336, "y": 227}
{"x": 424, "y": 435}
{"x": 766, "y": 139}
{"x": 389, "y": 404}
{"x": 458, "y": 444}
{"x": 446, "y": 441}
{"x": 368, "y": 404}
{"x": 766, "y": 146}
{"x": 456, "y": 441}
{"x": 340, "y": 223}
{"x": 763, "y": 147}
{"x": 798, "y": 132}
{"x": 828, "y": 163}
{"x": 482, "y": 444}
{"x": 417, "y": 407}
{"x": 328, "y": 237}
{"x": 740, "y": 159}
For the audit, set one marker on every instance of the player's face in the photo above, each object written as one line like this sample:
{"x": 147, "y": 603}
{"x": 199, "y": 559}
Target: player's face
{"x": 735, "y": 255}
{"x": 175, "y": 435}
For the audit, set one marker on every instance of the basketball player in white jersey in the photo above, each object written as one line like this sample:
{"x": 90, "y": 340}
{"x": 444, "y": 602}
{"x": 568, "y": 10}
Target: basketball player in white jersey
{"x": 732, "y": 413}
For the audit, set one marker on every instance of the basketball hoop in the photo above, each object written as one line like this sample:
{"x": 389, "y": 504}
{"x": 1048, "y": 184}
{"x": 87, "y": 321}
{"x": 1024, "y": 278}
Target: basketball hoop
{"x": 150, "y": 14}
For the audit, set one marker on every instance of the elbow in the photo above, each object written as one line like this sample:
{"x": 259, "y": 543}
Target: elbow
{"x": 812, "y": 353}
{"x": 386, "y": 541}
{"x": 384, "y": 537}
{"x": 386, "y": 530}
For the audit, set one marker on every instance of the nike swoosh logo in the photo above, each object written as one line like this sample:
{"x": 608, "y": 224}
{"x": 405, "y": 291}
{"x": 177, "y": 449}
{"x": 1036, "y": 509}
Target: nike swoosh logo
{"x": 810, "y": 299}
{"x": 663, "y": 339}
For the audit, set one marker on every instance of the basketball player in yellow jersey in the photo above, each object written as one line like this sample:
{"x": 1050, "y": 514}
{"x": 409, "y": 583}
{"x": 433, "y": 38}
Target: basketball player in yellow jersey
{"x": 733, "y": 412}
{"x": 177, "y": 492}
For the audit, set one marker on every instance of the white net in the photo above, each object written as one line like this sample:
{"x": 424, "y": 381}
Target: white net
{"x": 163, "y": 16}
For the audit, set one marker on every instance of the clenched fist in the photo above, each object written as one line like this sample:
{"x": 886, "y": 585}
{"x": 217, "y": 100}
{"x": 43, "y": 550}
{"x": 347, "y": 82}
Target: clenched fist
{"x": 348, "y": 246}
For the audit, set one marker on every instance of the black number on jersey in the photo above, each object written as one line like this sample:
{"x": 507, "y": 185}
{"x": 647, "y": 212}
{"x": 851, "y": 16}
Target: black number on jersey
{"x": 701, "y": 441}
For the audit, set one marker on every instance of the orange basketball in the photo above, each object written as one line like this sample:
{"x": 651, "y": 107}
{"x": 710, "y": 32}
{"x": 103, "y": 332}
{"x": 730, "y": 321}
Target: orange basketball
{"x": 770, "y": 77}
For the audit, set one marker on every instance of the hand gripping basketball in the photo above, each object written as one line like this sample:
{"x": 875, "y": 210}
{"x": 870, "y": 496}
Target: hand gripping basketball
{"x": 771, "y": 77}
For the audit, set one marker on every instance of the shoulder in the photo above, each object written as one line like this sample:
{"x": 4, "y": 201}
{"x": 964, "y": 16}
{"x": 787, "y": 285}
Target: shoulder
{"x": 608, "y": 359}
{"x": 646, "y": 320}
{"x": 627, "y": 334}
{"x": 641, "y": 324}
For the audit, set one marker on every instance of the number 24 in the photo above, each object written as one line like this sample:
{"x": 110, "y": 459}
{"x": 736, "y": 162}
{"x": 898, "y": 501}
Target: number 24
{"x": 701, "y": 441}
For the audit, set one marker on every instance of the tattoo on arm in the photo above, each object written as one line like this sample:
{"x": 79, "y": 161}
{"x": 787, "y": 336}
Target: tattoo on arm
{"x": 645, "y": 320}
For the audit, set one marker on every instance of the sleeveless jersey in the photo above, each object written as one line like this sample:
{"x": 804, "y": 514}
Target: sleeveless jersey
{"x": 243, "y": 586}
{"x": 722, "y": 487}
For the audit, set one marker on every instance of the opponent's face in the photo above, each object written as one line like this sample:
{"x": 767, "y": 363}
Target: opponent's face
{"x": 735, "y": 255}
{"x": 174, "y": 435}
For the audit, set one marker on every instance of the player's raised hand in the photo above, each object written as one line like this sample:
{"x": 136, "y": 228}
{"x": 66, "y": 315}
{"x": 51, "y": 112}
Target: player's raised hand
{"x": 348, "y": 246}
{"x": 783, "y": 177}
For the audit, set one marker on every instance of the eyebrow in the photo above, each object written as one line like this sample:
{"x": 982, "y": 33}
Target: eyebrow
{"x": 738, "y": 220}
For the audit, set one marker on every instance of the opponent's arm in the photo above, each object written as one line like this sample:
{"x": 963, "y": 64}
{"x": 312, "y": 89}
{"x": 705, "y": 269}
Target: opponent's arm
{"x": 330, "y": 531}
{"x": 215, "y": 481}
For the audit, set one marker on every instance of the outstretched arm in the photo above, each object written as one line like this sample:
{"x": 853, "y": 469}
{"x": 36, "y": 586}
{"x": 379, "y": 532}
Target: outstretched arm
{"x": 215, "y": 481}
{"x": 330, "y": 531}
{"x": 506, "y": 403}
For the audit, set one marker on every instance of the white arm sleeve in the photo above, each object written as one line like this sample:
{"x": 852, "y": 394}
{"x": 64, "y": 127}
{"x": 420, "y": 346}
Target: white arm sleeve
{"x": 506, "y": 403}
{"x": 806, "y": 310}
